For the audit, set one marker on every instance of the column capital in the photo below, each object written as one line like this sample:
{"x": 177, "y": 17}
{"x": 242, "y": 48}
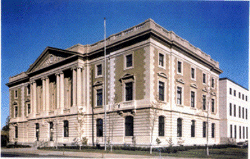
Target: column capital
{"x": 73, "y": 67}
{"x": 79, "y": 67}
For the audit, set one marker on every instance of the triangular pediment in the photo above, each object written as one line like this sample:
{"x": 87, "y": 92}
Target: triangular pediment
{"x": 49, "y": 57}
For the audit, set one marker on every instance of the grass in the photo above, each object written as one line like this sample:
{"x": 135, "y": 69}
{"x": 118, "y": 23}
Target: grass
{"x": 222, "y": 153}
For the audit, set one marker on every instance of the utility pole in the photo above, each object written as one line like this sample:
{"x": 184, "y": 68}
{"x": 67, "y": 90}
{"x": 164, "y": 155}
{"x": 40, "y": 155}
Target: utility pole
{"x": 105, "y": 146}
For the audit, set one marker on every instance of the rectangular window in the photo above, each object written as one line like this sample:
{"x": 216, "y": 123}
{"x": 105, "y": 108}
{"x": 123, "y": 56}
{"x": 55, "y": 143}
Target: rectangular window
{"x": 239, "y": 111}
{"x": 246, "y": 113}
{"x": 212, "y": 82}
{"x": 231, "y": 131}
{"x": 242, "y": 113}
{"x": 204, "y": 102}
{"x": 28, "y": 90}
{"x": 230, "y": 109}
{"x": 129, "y": 60}
{"x": 246, "y": 98}
{"x": 230, "y": 91}
{"x": 243, "y": 132}
{"x": 192, "y": 73}
{"x": 129, "y": 91}
{"x": 204, "y": 129}
{"x": 213, "y": 130}
{"x": 242, "y": 96}
{"x": 192, "y": 99}
{"x": 234, "y": 110}
{"x": 16, "y": 132}
{"x": 15, "y": 94}
{"x": 235, "y": 132}
{"x": 161, "y": 60}
{"x": 99, "y": 97}
{"x": 66, "y": 128}
{"x": 51, "y": 125}
{"x": 212, "y": 105}
{"x": 37, "y": 132}
{"x": 99, "y": 70}
{"x": 179, "y": 69}
{"x": 179, "y": 127}
{"x": 235, "y": 93}
{"x": 193, "y": 128}
{"x": 239, "y": 95}
{"x": 204, "y": 78}
{"x": 246, "y": 132}
{"x": 179, "y": 95}
{"x": 28, "y": 108}
{"x": 161, "y": 126}
{"x": 161, "y": 91}
{"x": 240, "y": 132}
{"x": 16, "y": 111}
{"x": 99, "y": 127}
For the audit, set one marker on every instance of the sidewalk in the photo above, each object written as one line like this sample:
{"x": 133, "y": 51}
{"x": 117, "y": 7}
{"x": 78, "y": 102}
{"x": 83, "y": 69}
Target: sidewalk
{"x": 77, "y": 154}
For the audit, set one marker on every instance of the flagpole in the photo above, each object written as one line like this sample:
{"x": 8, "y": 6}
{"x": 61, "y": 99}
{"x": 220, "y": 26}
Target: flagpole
{"x": 105, "y": 146}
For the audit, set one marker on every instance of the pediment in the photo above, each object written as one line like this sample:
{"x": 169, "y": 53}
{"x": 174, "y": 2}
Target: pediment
{"x": 97, "y": 83}
{"x": 213, "y": 93}
{"x": 204, "y": 89}
{"x": 126, "y": 76}
{"x": 193, "y": 85}
{"x": 49, "y": 57}
{"x": 162, "y": 75}
{"x": 180, "y": 80}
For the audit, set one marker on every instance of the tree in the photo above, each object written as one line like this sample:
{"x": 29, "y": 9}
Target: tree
{"x": 6, "y": 127}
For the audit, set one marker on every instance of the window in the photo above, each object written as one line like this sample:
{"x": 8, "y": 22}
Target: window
{"x": 239, "y": 111}
{"x": 16, "y": 111}
{"x": 28, "y": 108}
{"x": 246, "y": 113}
{"x": 192, "y": 99}
{"x": 179, "y": 95}
{"x": 66, "y": 128}
{"x": 212, "y": 105}
{"x": 212, "y": 82}
{"x": 235, "y": 93}
{"x": 230, "y": 109}
{"x": 246, "y": 132}
{"x": 161, "y": 125}
{"x": 231, "y": 131}
{"x": 192, "y": 128}
{"x": 28, "y": 90}
{"x": 99, "y": 128}
{"x": 240, "y": 132}
{"x": 235, "y": 132}
{"x": 129, "y": 60}
{"x": 37, "y": 131}
{"x": 234, "y": 110}
{"x": 99, "y": 70}
{"x": 213, "y": 130}
{"x": 161, "y": 91}
{"x": 242, "y": 113}
{"x": 179, "y": 127}
{"x": 99, "y": 97}
{"x": 204, "y": 78}
{"x": 243, "y": 132}
{"x": 16, "y": 132}
{"x": 242, "y": 96}
{"x": 129, "y": 126}
{"x": 129, "y": 91}
{"x": 192, "y": 73}
{"x": 15, "y": 95}
{"x": 204, "y": 102}
{"x": 246, "y": 98}
{"x": 239, "y": 95}
{"x": 51, "y": 125}
{"x": 179, "y": 69}
{"x": 161, "y": 60}
{"x": 230, "y": 91}
{"x": 204, "y": 129}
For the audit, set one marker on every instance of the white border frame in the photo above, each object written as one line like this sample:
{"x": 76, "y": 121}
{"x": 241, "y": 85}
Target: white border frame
{"x": 125, "y": 61}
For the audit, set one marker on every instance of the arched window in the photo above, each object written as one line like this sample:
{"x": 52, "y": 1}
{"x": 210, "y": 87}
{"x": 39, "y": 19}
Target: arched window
{"x": 193, "y": 128}
{"x": 99, "y": 127}
{"x": 129, "y": 126}
{"x": 161, "y": 125}
{"x": 179, "y": 127}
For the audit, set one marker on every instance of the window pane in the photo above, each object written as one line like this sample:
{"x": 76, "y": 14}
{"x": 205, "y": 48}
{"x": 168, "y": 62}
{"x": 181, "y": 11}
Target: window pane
{"x": 16, "y": 132}
{"x": 179, "y": 67}
{"x": 129, "y": 91}
{"x": 161, "y": 126}
{"x": 192, "y": 99}
{"x": 99, "y": 97}
{"x": 192, "y": 73}
{"x": 99, "y": 127}
{"x": 66, "y": 128}
{"x": 161, "y": 91}
{"x": 129, "y": 60}
{"x": 204, "y": 78}
{"x": 204, "y": 102}
{"x": 193, "y": 128}
{"x": 179, "y": 95}
{"x": 212, "y": 106}
{"x": 37, "y": 131}
{"x": 235, "y": 131}
{"x": 213, "y": 128}
{"x": 204, "y": 129}
{"x": 129, "y": 126}
{"x": 179, "y": 127}
{"x": 99, "y": 70}
{"x": 161, "y": 59}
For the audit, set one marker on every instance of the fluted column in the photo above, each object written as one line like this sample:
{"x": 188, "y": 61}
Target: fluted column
{"x": 47, "y": 93}
{"x": 44, "y": 93}
{"x": 61, "y": 90}
{"x": 74, "y": 85}
{"x": 79, "y": 86}
{"x": 34, "y": 98}
{"x": 57, "y": 90}
{"x": 31, "y": 96}
{"x": 22, "y": 98}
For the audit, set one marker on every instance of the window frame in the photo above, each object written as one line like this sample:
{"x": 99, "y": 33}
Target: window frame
{"x": 97, "y": 75}
{"x": 15, "y": 94}
{"x": 28, "y": 90}
{"x": 179, "y": 127}
{"x": 239, "y": 132}
{"x": 230, "y": 91}
{"x": 204, "y": 102}
{"x": 163, "y": 91}
{"x": 204, "y": 129}
{"x": 192, "y": 128}
{"x": 243, "y": 114}
{"x": 234, "y": 110}
{"x": 126, "y": 62}
{"x": 235, "y": 131}
{"x": 181, "y": 95}
{"x": 213, "y": 130}
{"x": 65, "y": 128}
{"x": 212, "y": 82}
{"x": 97, "y": 97}
{"x": 16, "y": 131}
{"x": 231, "y": 131}
{"x": 193, "y": 78}
{"x": 235, "y": 93}
{"x": 181, "y": 68}
{"x": 99, "y": 127}
{"x": 163, "y": 60}
{"x": 129, "y": 125}
{"x": 204, "y": 78}
{"x": 15, "y": 111}
{"x": 51, "y": 128}
{"x": 126, "y": 91}
{"x": 28, "y": 108}
{"x": 192, "y": 102}
{"x": 230, "y": 109}
{"x": 161, "y": 126}
{"x": 239, "y": 111}
{"x": 37, "y": 131}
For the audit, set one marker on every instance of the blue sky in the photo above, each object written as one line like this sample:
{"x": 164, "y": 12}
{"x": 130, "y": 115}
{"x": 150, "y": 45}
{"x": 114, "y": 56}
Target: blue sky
{"x": 220, "y": 29}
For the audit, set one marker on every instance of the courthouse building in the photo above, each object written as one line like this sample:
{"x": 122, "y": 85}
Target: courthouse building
{"x": 159, "y": 88}
{"x": 233, "y": 110}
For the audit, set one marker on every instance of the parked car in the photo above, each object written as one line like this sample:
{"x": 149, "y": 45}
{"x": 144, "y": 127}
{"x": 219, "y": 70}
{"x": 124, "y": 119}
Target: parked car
{"x": 242, "y": 144}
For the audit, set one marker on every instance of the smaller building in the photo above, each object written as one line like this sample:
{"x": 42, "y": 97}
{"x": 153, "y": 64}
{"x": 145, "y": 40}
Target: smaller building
{"x": 233, "y": 110}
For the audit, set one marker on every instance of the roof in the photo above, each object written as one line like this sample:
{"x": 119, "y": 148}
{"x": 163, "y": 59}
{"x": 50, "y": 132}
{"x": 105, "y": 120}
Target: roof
{"x": 226, "y": 78}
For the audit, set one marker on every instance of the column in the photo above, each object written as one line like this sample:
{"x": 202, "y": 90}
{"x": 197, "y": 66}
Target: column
{"x": 57, "y": 90}
{"x": 74, "y": 85}
{"x": 34, "y": 98}
{"x": 47, "y": 93}
{"x": 79, "y": 86}
{"x": 31, "y": 97}
{"x": 44, "y": 93}
{"x": 23, "y": 100}
{"x": 82, "y": 87}
{"x": 61, "y": 90}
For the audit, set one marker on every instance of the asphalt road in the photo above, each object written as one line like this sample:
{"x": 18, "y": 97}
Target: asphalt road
{"x": 11, "y": 154}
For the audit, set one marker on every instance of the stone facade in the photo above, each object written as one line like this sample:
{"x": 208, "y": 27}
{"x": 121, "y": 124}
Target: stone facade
{"x": 234, "y": 112}
{"x": 156, "y": 86}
